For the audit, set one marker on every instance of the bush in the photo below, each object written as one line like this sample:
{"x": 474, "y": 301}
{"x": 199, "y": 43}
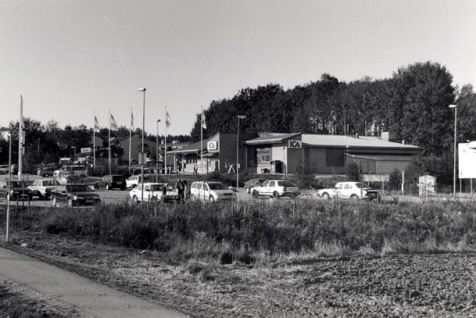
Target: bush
{"x": 353, "y": 171}
{"x": 195, "y": 230}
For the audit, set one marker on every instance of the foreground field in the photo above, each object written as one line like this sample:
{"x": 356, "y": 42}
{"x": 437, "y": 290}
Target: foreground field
{"x": 441, "y": 285}
{"x": 291, "y": 258}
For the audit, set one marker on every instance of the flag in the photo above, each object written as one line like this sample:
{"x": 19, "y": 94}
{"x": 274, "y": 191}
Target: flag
{"x": 132, "y": 120}
{"x": 113, "y": 123}
{"x": 96, "y": 124}
{"x": 204, "y": 124}
{"x": 167, "y": 119}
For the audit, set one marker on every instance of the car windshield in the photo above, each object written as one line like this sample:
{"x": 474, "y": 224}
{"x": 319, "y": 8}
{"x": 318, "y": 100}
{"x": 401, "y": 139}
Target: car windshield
{"x": 77, "y": 188}
{"x": 217, "y": 186}
{"x": 50, "y": 182}
{"x": 286, "y": 183}
{"x": 359, "y": 185}
{"x": 156, "y": 187}
{"x": 16, "y": 184}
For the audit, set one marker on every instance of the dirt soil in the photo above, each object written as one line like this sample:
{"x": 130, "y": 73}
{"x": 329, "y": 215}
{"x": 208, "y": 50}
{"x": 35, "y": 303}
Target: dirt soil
{"x": 439, "y": 285}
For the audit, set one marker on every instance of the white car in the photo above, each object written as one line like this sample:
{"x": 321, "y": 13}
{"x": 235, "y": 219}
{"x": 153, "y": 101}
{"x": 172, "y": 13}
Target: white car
{"x": 210, "y": 191}
{"x": 42, "y": 188}
{"x": 345, "y": 190}
{"x": 153, "y": 192}
{"x": 133, "y": 181}
{"x": 276, "y": 189}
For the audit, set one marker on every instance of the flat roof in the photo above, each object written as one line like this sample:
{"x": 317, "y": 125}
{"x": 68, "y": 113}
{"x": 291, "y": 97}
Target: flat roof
{"x": 270, "y": 138}
{"x": 361, "y": 142}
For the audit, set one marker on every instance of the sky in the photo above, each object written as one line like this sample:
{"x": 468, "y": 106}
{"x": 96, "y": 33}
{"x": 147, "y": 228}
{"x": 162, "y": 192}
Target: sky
{"x": 73, "y": 60}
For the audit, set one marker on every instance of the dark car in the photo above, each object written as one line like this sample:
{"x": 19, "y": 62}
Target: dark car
{"x": 18, "y": 190}
{"x": 112, "y": 181}
{"x": 74, "y": 195}
{"x": 45, "y": 172}
{"x": 250, "y": 184}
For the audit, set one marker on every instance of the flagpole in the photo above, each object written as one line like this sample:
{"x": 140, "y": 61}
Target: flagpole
{"x": 94, "y": 142}
{"x": 167, "y": 123}
{"x": 201, "y": 141}
{"x": 109, "y": 148}
{"x": 21, "y": 140}
{"x": 130, "y": 141}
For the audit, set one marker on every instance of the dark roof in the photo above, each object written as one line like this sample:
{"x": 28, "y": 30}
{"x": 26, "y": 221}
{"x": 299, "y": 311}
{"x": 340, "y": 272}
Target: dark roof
{"x": 270, "y": 138}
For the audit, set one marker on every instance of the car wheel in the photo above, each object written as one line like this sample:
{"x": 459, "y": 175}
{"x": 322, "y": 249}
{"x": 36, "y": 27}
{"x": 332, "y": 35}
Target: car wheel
{"x": 154, "y": 200}
{"x": 70, "y": 203}
{"x": 46, "y": 175}
{"x": 211, "y": 199}
{"x": 193, "y": 198}
{"x": 275, "y": 195}
{"x": 354, "y": 197}
{"x": 135, "y": 199}
{"x": 255, "y": 194}
{"x": 326, "y": 196}
{"x": 107, "y": 187}
{"x": 248, "y": 190}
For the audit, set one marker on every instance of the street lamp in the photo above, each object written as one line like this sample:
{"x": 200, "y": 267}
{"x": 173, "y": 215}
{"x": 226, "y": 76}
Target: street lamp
{"x": 454, "y": 151}
{"x": 157, "y": 154}
{"x": 238, "y": 152}
{"x": 142, "y": 151}
{"x": 2, "y": 129}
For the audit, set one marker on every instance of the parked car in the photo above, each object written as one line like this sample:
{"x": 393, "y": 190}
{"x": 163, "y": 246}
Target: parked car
{"x": 42, "y": 188}
{"x": 133, "y": 181}
{"x": 4, "y": 169}
{"x": 18, "y": 190}
{"x": 45, "y": 172}
{"x": 250, "y": 184}
{"x": 277, "y": 189}
{"x": 210, "y": 191}
{"x": 74, "y": 195}
{"x": 112, "y": 181}
{"x": 153, "y": 192}
{"x": 348, "y": 190}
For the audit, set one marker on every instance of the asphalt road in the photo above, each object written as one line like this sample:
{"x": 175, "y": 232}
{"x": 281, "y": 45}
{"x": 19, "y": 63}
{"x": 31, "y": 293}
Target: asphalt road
{"x": 86, "y": 296}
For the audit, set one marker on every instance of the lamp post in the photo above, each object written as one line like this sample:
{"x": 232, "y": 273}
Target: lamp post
{"x": 9, "y": 179}
{"x": 142, "y": 149}
{"x": 157, "y": 154}
{"x": 454, "y": 151}
{"x": 238, "y": 152}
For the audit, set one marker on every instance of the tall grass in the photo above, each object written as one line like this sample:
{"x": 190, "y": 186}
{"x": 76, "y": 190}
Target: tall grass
{"x": 195, "y": 230}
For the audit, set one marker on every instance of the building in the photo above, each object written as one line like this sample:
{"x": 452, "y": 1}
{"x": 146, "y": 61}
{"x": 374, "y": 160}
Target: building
{"x": 280, "y": 153}
{"x": 329, "y": 154}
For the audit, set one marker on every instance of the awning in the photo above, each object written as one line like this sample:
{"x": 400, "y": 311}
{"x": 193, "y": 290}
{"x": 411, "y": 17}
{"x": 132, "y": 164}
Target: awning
{"x": 381, "y": 158}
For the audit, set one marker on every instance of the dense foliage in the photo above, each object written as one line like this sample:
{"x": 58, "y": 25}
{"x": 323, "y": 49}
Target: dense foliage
{"x": 413, "y": 103}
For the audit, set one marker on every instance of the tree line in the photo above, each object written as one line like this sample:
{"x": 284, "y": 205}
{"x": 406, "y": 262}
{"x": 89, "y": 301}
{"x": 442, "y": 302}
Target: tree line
{"x": 413, "y": 103}
{"x": 47, "y": 143}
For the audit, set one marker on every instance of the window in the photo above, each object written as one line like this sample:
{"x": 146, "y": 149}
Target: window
{"x": 347, "y": 186}
{"x": 271, "y": 184}
{"x": 334, "y": 157}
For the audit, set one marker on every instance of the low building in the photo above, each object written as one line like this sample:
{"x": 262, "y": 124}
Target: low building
{"x": 281, "y": 153}
{"x": 329, "y": 154}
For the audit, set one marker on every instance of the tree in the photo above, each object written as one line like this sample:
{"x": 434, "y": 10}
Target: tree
{"x": 353, "y": 171}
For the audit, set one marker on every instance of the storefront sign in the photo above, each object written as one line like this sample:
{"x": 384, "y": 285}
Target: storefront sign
{"x": 263, "y": 155}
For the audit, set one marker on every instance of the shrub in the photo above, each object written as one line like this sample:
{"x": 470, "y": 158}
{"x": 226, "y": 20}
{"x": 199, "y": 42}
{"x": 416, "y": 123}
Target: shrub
{"x": 242, "y": 230}
{"x": 353, "y": 171}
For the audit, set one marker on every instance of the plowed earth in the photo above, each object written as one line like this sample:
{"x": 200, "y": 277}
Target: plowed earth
{"x": 438, "y": 285}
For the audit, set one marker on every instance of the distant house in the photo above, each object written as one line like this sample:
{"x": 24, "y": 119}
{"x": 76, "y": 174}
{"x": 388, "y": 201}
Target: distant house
{"x": 150, "y": 147}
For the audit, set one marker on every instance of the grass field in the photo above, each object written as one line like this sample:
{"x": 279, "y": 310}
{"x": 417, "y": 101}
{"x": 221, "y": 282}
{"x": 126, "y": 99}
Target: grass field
{"x": 270, "y": 258}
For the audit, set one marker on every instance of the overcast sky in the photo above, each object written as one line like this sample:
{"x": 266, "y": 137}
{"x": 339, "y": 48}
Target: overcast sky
{"x": 71, "y": 59}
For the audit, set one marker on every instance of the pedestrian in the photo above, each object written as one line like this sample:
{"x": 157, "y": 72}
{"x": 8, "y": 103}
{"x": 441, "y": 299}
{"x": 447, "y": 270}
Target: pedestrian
{"x": 164, "y": 189}
{"x": 186, "y": 189}
{"x": 180, "y": 188}
{"x": 195, "y": 169}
